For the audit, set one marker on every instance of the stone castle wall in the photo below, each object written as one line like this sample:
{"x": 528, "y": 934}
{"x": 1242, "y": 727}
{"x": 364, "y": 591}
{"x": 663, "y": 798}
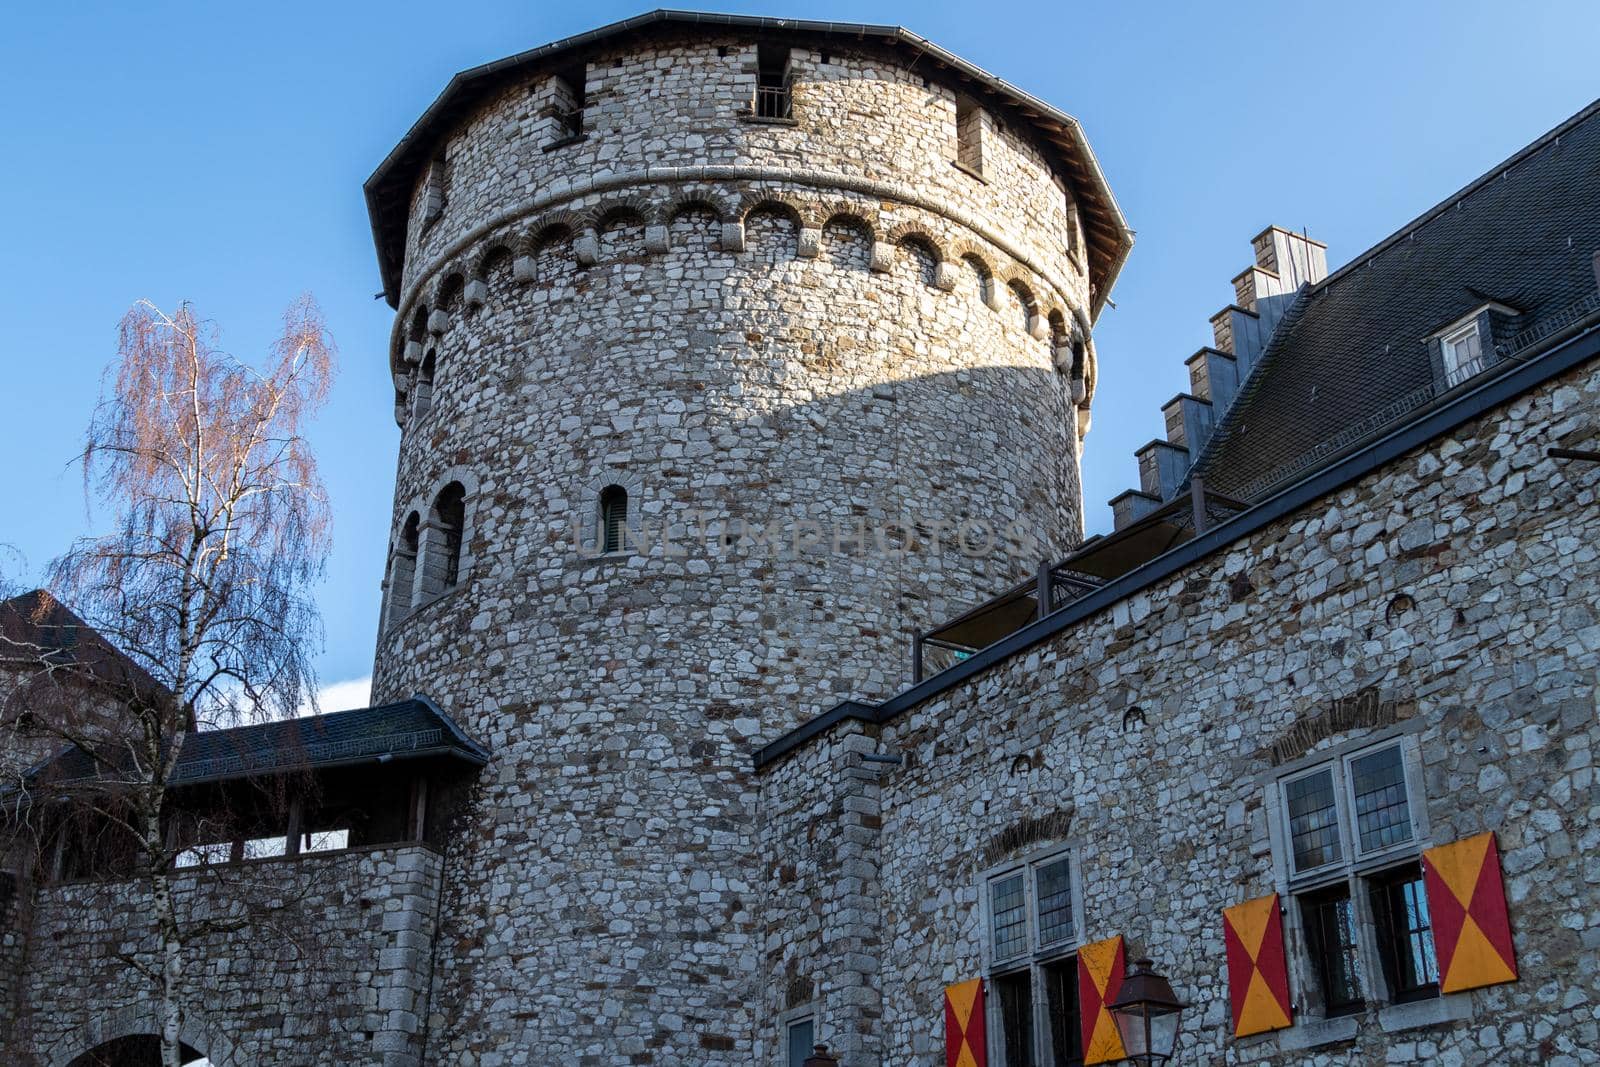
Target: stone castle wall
{"x": 333, "y": 969}
{"x": 1450, "y": 597}
{"x": 769, "y": 325}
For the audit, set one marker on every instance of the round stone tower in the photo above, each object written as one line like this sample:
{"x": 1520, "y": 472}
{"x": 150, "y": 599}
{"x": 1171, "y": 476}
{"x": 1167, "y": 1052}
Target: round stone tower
{"x": 729, "y": 353}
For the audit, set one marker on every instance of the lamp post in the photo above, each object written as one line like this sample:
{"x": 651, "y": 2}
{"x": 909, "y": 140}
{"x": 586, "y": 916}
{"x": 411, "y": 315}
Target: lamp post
{"x": 1147, "y": 1014}
{"x": 820, "y": 1057}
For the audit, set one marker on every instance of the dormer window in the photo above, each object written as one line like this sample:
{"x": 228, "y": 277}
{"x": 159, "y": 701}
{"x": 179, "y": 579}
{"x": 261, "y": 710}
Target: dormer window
{"x": 1465, "y": 348}
{"x": 1462, "y": 352}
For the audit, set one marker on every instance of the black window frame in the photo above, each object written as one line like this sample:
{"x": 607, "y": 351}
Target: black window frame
{"x": 1315, "y": 909}
{"x": 1402, "y": 948}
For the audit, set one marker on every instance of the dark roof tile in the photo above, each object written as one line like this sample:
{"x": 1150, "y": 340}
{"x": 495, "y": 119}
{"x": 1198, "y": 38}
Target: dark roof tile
{"x": 1522, "y": 235}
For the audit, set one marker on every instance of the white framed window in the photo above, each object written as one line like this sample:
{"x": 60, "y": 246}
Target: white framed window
{"x": 1351, "y": 827}
{"x": 1033, "y": 913}
{"x": 1462, "y": 352}
{"x": 1348, "y": 809}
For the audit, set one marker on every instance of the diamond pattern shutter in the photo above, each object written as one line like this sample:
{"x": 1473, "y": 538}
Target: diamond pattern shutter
{"x": 1100, "y": 969}
{"x": 965, "y": 1043}
{"x": 1258, "y": 977}
{"x": 1471, "y": 930}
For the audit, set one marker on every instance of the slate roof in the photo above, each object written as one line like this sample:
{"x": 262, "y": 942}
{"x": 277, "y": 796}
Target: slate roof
{"x": 1523, "y": 235}
{"x": 36, "y": 630}
{"x": 403, "y": 730}
{"x": 388, "y": 191}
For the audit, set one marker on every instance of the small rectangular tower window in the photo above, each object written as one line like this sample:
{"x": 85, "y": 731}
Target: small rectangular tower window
{"x": 570, "y": 98}
{"x": 1015, "y": 994}
{"x": 1405, "y": 934}
{"x": 1330, "y": 925}
{"x": 773, "y": 99}
{"x": 969, "y": 135}
{"x": 433, "y": 194}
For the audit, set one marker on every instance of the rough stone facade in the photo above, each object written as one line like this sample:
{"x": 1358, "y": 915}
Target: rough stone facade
{"x": 332, "y": 966}
{"x": 1449, "y": 597}
{"x": 796, "y": 345}
{"x": 820, "y": 327}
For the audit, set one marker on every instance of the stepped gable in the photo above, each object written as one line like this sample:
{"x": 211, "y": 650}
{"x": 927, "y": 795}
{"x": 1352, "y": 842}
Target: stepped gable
{"x": 1266, "y": 299}
{"x": 1360, "y": 345}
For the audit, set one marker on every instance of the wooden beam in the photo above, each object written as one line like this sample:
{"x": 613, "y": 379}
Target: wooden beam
{"x": 419, "y": 809}
{"x": 291, "y": 845}
{"x": 58, "y": 855}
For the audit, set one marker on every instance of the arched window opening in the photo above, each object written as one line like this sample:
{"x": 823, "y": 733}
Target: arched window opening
{"x": 613, "y": 518}
{"x": 1022, "y": 305}
{"x": 983, "y": 281}
{"x": 449, "y": 521}
{"x": 923, "y": 259}
{"x": 496, "y": 271}
{"x": 422, "y": 396}
{"x": 403, "y": 569}
{"x": 450, "y": 293}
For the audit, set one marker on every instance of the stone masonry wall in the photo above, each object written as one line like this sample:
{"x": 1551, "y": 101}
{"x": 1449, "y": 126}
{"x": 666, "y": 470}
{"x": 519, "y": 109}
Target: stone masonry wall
{"x": 336, "y": 973}
{"x": 822, "y": 328}
{"x": 861, "y": 115}
{"x": 1451, "y": 595}
{"x": 13, "y": 956}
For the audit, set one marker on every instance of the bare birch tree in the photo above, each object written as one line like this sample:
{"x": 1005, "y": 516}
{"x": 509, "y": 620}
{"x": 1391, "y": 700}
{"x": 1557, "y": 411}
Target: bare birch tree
{"x": 203, "y": 584}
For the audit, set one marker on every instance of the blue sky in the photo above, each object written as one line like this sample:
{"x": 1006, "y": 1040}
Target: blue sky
{"x": 215, "y": 153}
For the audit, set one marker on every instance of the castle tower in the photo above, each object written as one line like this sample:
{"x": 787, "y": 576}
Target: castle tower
{"x": 791, "y": 321}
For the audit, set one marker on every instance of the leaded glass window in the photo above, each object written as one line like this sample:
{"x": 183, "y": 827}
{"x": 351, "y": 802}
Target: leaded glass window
{"x": 1383, "y": 815}
{"x": 1008, "y": 911}
{"x": 1313, "y": 820}
{"x": 1054, "y": 894}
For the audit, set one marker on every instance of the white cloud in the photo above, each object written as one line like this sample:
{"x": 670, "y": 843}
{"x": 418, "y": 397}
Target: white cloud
{"x": 342, "y": 696}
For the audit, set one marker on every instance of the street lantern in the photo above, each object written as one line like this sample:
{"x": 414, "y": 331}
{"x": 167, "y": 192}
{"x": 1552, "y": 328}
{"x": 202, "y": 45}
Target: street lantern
{"x": 820, "y": 1058}
{"x": 1147, "y": 1014}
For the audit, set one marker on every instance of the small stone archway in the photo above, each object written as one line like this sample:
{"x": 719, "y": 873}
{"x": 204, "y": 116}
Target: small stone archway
{"x": 131, "y": 1032}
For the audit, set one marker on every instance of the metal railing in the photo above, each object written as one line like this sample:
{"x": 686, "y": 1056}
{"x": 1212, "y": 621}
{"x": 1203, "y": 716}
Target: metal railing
{"x": 1559, "y": 320}
{"x": 570, "y": 123}
{"x": 773, "y": 102}
{"x": 1055, "y": 587}
{"x": 1423, "y": 394}
{"x": 317, "y": 752}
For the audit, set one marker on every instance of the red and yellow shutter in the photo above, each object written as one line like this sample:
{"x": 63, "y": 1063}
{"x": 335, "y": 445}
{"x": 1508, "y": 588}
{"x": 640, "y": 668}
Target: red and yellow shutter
{"x": 964, "y": 1040}
{"x": 1100, "y": 968}
{"x": 1467, "y": 902}
{"x": 1258, "y": 977}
